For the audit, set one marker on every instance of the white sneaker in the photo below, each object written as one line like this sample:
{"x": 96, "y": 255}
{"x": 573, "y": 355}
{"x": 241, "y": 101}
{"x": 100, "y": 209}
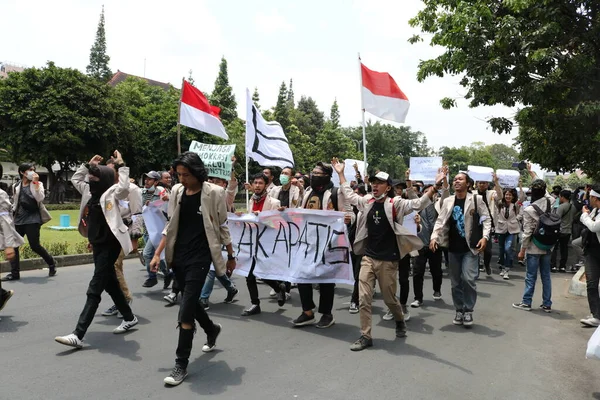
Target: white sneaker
{"x": 119, "y": 315}
{"x": 416, "y": 304}
{"x": 171, "y": 298}
{"x": 70, "y": 340}
{"x": 590, "y": 321}
{"x": 505, "y": 276}
{"x": 272, "y": 293}
{"x": 502, "y": 273}
{"x": 388, "y": 315}
{"x": 126, "y": 325}
{"x": 406, "y": 313}
{"x": 288, "y": 296}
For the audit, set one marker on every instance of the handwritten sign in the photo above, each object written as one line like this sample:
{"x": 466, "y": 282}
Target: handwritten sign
{"x": 155, "y": 221}
{"x": 216, "y": 158}
{"x": 349, "y": 172}
{"x": 409, "y": 222}
{"x": 480, "y": 174}
{"x": 424, "y": 168}
{"x": 508, "y": 178}
{"x": 297, "y": 245}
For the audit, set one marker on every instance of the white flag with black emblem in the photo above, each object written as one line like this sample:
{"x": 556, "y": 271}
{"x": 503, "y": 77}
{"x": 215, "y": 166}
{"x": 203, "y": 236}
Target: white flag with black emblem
{"x": 265, "y": 140}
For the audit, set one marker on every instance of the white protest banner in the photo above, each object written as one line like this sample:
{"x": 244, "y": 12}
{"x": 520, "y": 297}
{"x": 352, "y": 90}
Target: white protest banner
{"x": 297, "y": 245}
{"x": 216, "y": 158}
{"x": 349, "y": 171}
{"x": 508, "y": 178}
{"x": 424, "y": 168}
{"x": 409, "y": 222}
{"x": 480, "y": 174}
{"x": 155, "y": 222}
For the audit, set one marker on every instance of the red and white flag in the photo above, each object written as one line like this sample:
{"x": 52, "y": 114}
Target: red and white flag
{"x": 196, "y": 112}
{"x": 382, "y": 97}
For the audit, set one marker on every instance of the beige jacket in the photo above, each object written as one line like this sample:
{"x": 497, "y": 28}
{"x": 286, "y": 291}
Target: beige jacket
{"x": 407, "y": 242}
{"x": 342, "y": 203}
{"x": 512, "y": 224}
{"x": 530, "y": 221}
{"x": 294, "y": 196}
{"x": 110, "y": 203}
{"x": 8, "y": 235}
{"x": 214, "y": 215}
{"x": 270, "y": 204}
{"x": 39, "y": 194}
{"x": 232, "y": 190}
{"x": 441, "y": 230}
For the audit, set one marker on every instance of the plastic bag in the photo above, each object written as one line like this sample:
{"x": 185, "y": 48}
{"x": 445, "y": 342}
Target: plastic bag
{"x": 593, "y": 347}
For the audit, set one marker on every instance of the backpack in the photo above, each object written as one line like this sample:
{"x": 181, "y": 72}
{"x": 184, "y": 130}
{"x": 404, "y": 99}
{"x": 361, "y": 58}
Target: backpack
{"x": 547, "y": 231}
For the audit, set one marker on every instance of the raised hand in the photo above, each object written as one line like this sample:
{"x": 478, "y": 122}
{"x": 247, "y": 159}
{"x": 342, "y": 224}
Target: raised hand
{"x": 338, "y": 166}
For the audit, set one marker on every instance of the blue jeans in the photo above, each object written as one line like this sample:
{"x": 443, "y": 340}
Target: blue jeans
{"x": 210, "y": 283}
{"x": 541, "y": 262}
{"x": 505, "y": 242}
{"x": 148, "y": 253}
{"x": 463, "y": 269}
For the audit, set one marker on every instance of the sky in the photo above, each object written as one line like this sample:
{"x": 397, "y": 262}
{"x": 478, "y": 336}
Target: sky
{"x": 265, "y": 42}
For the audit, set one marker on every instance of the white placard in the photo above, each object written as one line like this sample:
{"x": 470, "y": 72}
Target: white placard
{"x": 349, "y": 172}
{"x": 424, "y": 168}
{"x": 508, "y": 178}
{"x": 296, "y": 245}
{"x": 409, "y": 222}
{"x": 155, "y": 222}
{"x": 480, "y": 174}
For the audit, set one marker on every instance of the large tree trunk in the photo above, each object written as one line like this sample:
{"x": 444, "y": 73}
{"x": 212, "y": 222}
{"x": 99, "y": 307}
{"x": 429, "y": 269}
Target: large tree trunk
{"x": 52, "y": 180}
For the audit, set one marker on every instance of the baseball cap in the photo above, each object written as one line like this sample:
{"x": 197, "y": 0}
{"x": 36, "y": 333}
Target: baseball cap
{"x": 153, "y": 175}
{"x": 384, "y": 177}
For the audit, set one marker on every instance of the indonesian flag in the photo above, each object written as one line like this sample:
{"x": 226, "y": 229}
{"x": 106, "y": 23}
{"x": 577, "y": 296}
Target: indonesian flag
{"x": 196, "y": 112}
{"x": 382, "y": 97}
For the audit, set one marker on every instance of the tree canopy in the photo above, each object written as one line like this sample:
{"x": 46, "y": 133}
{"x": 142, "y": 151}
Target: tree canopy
{"x": 98, "y": 66}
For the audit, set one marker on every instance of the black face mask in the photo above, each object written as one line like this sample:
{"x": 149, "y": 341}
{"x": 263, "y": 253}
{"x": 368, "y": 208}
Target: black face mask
{"x": 107, "y": 179}
{"x": 318, "y": 183}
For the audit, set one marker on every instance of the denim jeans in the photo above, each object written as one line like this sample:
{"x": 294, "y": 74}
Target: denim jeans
{"x": 535, "y": 262}
{"x": 148, "y": 253}
{"x": 505, "y": 243}
{"x": 463, "y": 269}
{"x": 210, "y": 283}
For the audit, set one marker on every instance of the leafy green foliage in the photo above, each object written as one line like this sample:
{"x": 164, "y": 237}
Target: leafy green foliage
{"x": 282, "y": 111}
{"x": 98, "y": 66}
{"x": 542, "y": 57}
{"x": 222, "y": 95}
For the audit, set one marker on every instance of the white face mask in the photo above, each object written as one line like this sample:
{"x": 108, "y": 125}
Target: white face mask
{"x": 380, "y": 197}
{"x": 29, "y": 175}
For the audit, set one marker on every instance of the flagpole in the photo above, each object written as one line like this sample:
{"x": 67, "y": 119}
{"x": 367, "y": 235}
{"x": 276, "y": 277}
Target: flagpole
{"x": 247, "y": 178}
{"x": 362, "y": 107}
{"x": 179, "y": 117}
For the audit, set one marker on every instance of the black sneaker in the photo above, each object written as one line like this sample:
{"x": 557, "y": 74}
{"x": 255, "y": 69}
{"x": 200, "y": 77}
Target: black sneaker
{"x": 231, "y": 295}
{"x": 52, "y": 270}
{"x": 400, "y": 329}
{"x": 458, "y": 318}
{"x": 553, "y": 269}
{"x": 488, "y": 270}
{"x": 254, "y": 309}
{"x": 11, "y": 277}
{"x": 546, "y": 309}
{"x": 4, "y": 297}
{"x": 304, "y": 320}
{"x": 326, "y": 321}
{"x": 361, "y": 344}
{"x": 177, "y": 376}
{"x": 522, "y": 306}
{"x": 168, "y": 280}
{"x": 574, "y": 269}
{"x": 211, "y": 340}
{"x": 562, "y": 269}
{"x": 468, "y": 318}
{"x": 204, "y": 304}
{"x": 150, "y": 282}
{"x": 281, "y": 295}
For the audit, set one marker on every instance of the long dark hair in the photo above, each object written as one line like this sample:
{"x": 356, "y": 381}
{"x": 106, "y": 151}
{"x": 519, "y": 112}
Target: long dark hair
{"x": 504, "y": 204}
{"x": 194, "y": 164}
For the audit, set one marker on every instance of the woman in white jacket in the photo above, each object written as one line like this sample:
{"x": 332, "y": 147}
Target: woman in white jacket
{"x": 591, "y": 220}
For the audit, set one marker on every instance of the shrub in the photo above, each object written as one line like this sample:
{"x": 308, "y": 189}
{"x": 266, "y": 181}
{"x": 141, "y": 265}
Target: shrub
{"x": 81, "y": 247}
{"x": 62, "y": 207}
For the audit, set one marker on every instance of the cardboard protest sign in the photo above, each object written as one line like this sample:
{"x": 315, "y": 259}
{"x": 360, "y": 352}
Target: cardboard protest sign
{"x": 508, "y": 178}
{"x": 424, "y": 168}
{"x": 480, "y": 174}
{"x": 216, "y": 158}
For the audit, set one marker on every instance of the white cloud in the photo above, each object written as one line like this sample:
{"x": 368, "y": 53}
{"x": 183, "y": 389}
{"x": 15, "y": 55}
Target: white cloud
{"x": 271, "y": 22}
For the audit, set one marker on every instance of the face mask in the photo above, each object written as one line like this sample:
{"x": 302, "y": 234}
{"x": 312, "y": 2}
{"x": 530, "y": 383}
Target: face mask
{"x": 257, "y": 197}
{"x": 284, "y": 179}
{"x": 319, "y": 182}
{"x": 94, "y": 187}
{"x": 380, "y": 197}
{"x": 29, "y": 175}
{"x": 151, "y": 189}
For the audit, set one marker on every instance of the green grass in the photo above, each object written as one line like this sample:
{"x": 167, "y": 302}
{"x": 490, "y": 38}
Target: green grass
{"x": 72, "y": 238}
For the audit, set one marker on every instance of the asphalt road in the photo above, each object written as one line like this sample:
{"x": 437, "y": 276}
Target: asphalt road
{"x": 508, "y": 354}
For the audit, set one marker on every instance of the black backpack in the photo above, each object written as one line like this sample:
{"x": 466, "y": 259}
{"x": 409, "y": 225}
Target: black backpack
{"x": 547, "y": 231}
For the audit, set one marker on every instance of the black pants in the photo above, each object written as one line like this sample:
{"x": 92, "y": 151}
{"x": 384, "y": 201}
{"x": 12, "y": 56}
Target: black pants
{"x": 563, "y": 246}
{"x": 253, "y": 287}
{"x": 435, "y": 266}
{"x": 404, "y": 278}
{"x": 592, "y": 273}
{"x": 487, "y": 253}
{"x": 356, "y": 260}
{"x": 105, "y": 278}
{"x": 32, "y": 231}
{"x": 326, "y": 295}
{"x": 190, "y": 281}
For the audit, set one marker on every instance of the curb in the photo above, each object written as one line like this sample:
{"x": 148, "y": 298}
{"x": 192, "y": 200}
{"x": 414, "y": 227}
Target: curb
{"x": 61, "y": 261}
{"x": 578, "y": 285}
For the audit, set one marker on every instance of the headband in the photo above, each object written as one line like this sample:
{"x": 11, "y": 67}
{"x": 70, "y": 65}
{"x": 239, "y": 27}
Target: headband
{"x": 594, "y": 193}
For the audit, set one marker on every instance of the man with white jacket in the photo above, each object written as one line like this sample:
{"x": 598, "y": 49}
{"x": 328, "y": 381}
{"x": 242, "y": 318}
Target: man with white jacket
{"x": 102, "y": 224}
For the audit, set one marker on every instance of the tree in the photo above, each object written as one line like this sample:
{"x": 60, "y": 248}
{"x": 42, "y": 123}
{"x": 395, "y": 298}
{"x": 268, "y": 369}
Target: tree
{"x": 282, "y": 112}
{"x": 98, "y": 66}
{"x": 334, "y": 115}
{"x": 540, "y": 56}
{"x": 291, "y": 103}
{"x": 53, "y": 114}
{"x": 256, "y": 98}
{"x": 308, "y": 118}
{"x": 222, "y": 95}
